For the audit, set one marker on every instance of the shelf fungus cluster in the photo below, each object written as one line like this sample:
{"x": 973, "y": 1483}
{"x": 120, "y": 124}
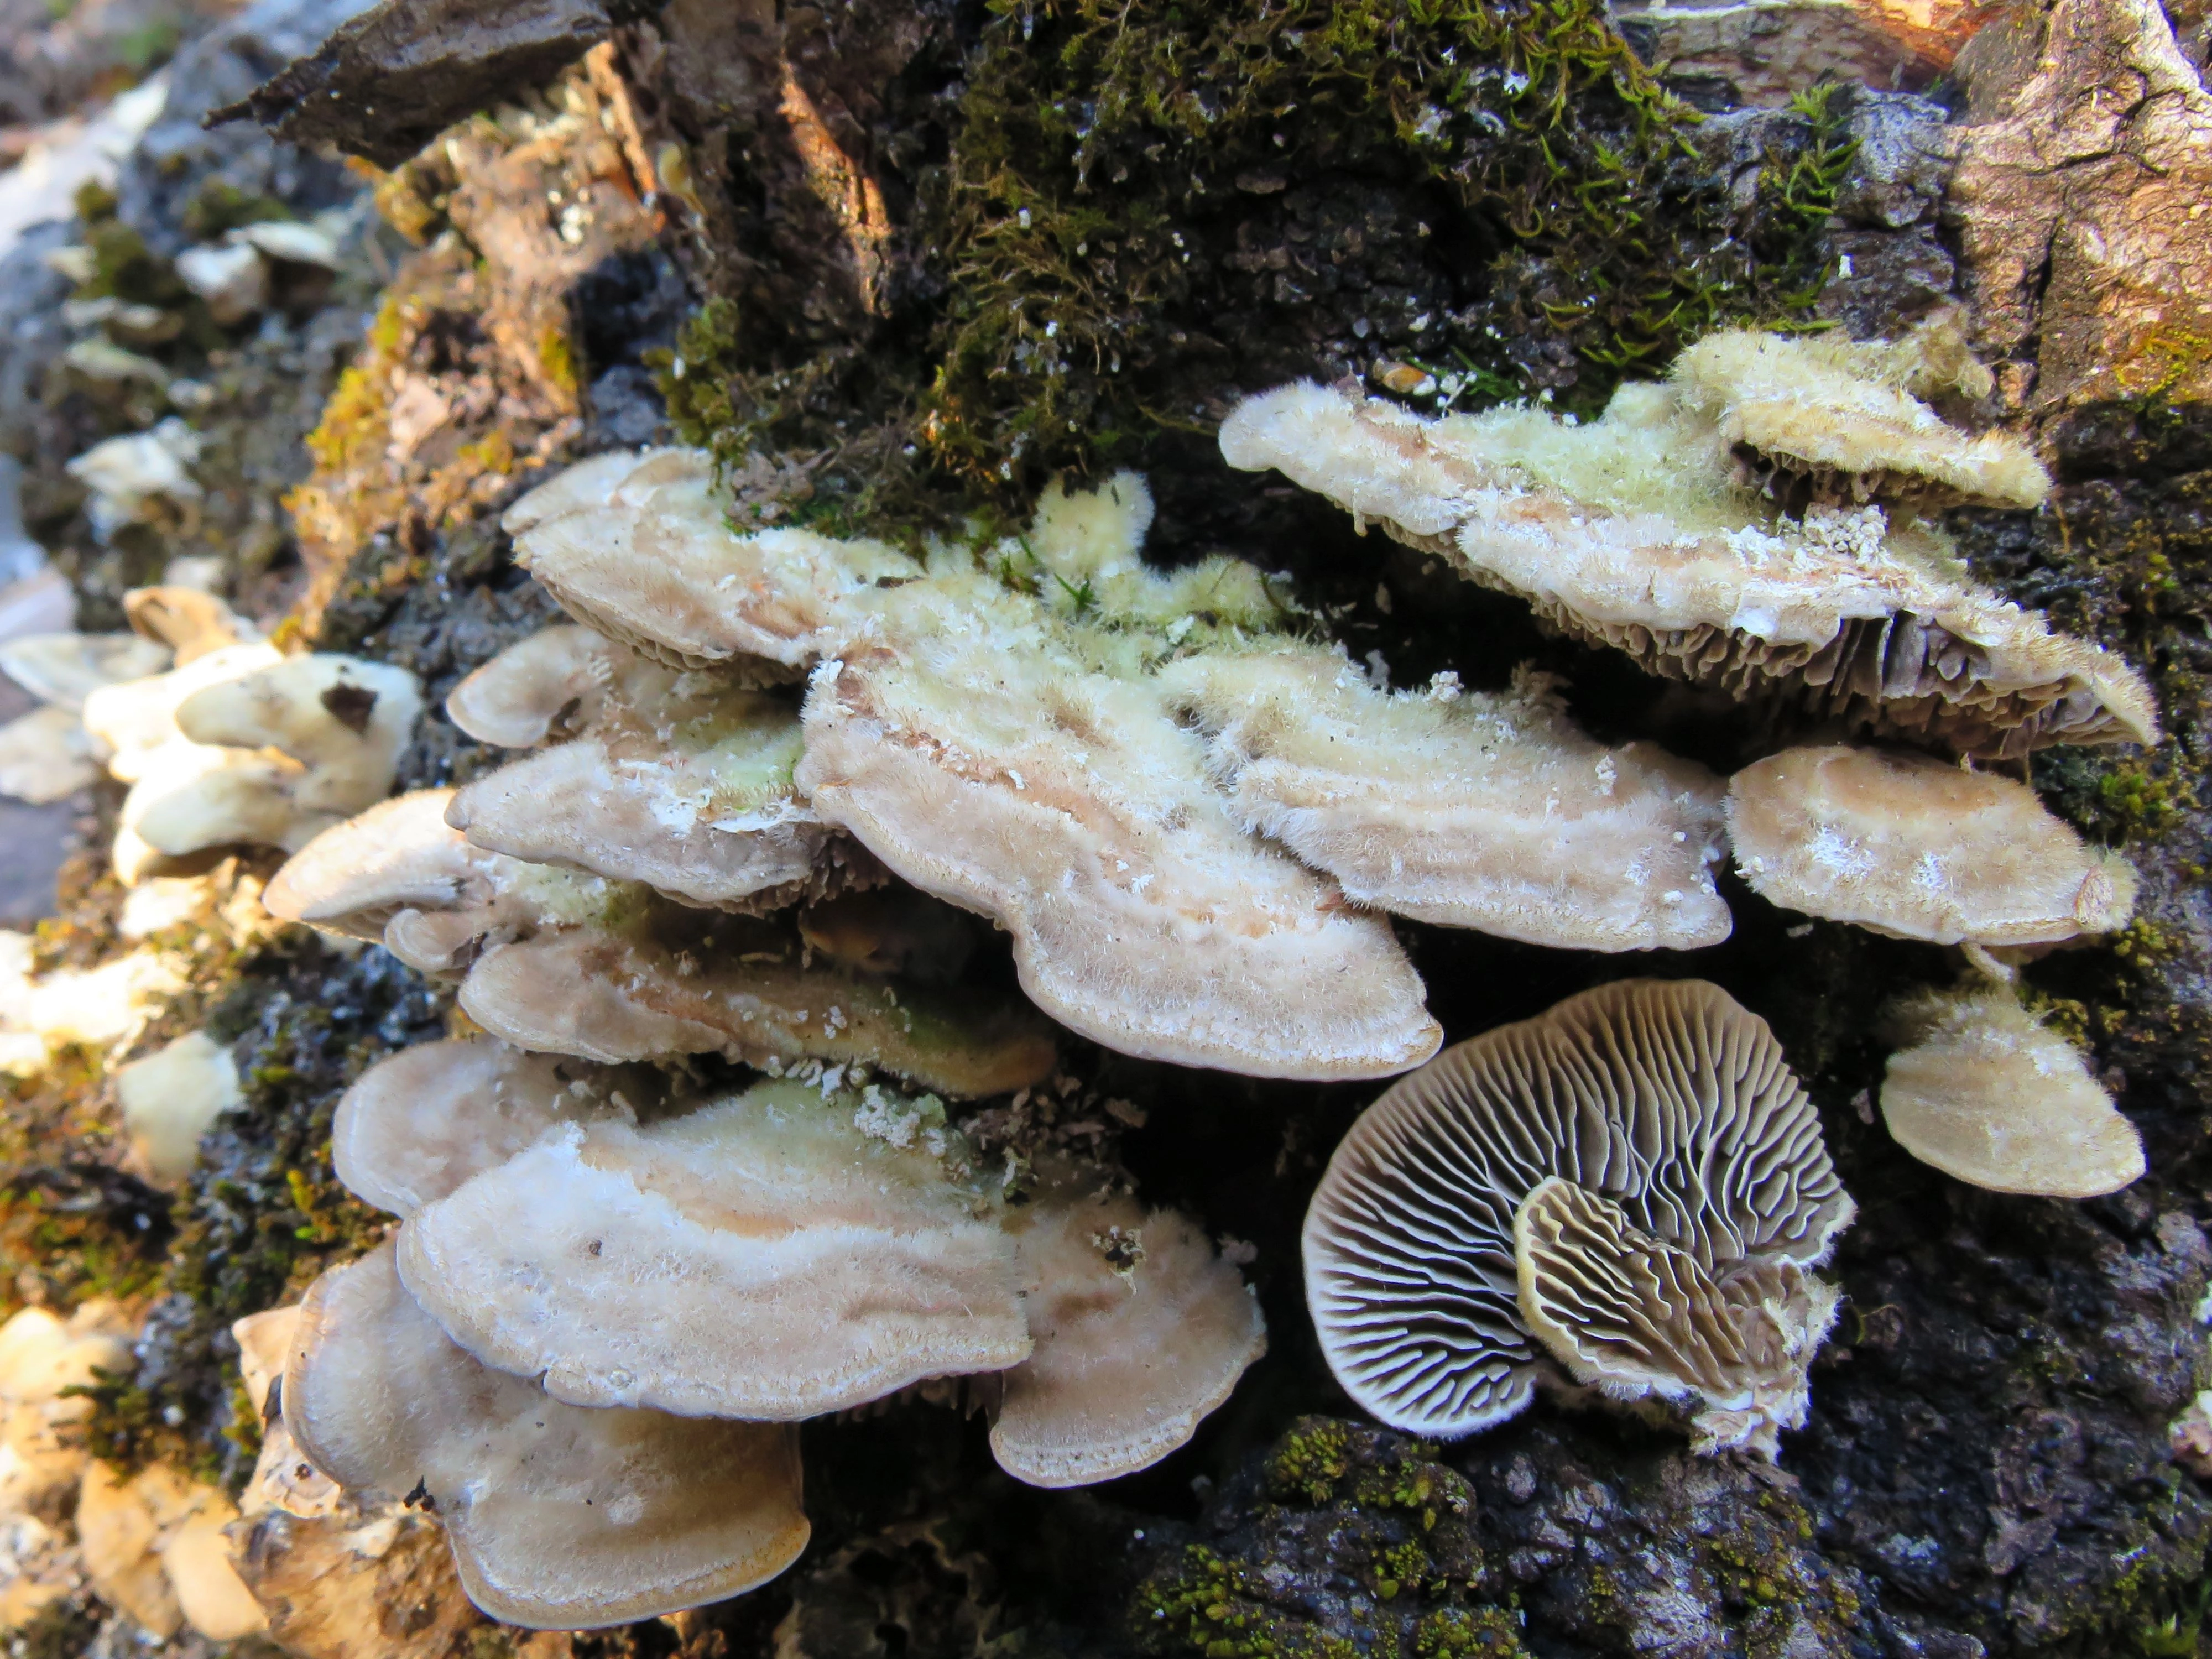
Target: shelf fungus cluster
{"x": 1185, "y": 818}
{"x": 610, "y": 1301}
{"x": 1752, "y": 525}
{"x": 1629, "y": 1194}
{"x": 1759, "y": 524}
{"x": 223, "y": 740}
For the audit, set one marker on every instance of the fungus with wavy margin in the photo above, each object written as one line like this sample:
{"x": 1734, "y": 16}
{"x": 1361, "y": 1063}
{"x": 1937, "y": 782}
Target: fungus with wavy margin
{"x": 1984, "y": 1091}
{"x": 761, "y": 1257}
{"x": 1634, "y": 530}
{"x": 559, "y": 1517}
{"x": 1704, "y": 1199}
{"x": 1466, "y": 809}
{"x": 1907, "y": 845}
{"x": 675, "y": 779}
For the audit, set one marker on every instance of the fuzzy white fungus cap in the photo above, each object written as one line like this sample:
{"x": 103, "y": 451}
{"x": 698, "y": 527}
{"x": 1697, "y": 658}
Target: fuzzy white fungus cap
{"x": 1671, "y": 1106}
{"x": 1985, "y": 1093}
{"x": 1630, "y": 532}
{"x": 765, "y": 1257}
{"x": 1906, "y": 845}
{"x": 1141, "y": 1330}
{"x": 983, "y": 762}
{"x": 635, "y": 547}
{"x": 1838, "y": 409}
{"x": 559, "y": 1518}
{"x": 62, "y": 670}
{"x": 1471, "y": 809}
{"x": 609, "y": 998}
{"x": 172, "y": 1098}
{"x": 417, "y": 1124}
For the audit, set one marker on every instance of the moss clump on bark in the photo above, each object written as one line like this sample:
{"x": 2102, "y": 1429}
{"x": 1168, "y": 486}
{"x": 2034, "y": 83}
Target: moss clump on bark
{"x": 1143, "y": 208}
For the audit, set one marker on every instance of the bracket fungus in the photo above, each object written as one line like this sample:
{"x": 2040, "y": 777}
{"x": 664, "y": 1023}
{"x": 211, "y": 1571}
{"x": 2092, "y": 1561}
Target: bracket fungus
{"x": 762, "y": 1257}
{"x": 242, "y": 743}
{"x": 559, "y": 1517}
{"x": 1983, "y": 1092}
{"x": 1678, "y": 1267}
{"x": 1828, "y": 417}
{"x": 1906, "y": 845}
{"x": 1466, "y": 809}
{"x": 674, "y": 780}
{"x": 1634, "y": 530}
{"x": 1140, "y": 1331}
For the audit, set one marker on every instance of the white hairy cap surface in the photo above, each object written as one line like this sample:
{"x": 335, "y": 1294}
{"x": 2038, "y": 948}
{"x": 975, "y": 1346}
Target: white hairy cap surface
{"x": 1989, "y": 1096}
{"x": 985, "y": 763}
{"x": 602, "y": 997}
{"x": 418, "y": 1123}
{"x": 1140, "y": 1331}
{"x": 559, "y": 1518}
{"x": 399, "y": 854}
{"x": 1668, "y": 1100}
{"x": 690, "y": 793}
{"x": 1906, "y": 845}
{"x": 62, "y": 670}
{"x": 1470, "y": 810}
{"x": 1629, "y": 531}
{"x": 760, "y": 1258}
{"x": 635, "y": 546}
{"x": 1813, "y": 403}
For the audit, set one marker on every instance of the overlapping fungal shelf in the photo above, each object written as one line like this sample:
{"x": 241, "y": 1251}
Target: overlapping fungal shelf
{"x": 762, "y": 783}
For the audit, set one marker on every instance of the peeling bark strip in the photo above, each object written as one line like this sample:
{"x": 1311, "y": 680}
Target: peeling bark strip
{"x": 395, "y": 78}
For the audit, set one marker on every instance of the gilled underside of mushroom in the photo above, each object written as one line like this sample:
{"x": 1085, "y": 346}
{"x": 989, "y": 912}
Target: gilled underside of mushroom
{"x": 1633, "y": 532}
{"x": 1672, "y": 1109}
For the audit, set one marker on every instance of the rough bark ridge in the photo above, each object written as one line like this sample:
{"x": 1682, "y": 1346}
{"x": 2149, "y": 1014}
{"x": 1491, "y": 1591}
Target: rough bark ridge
{"x": 896, "y": 264}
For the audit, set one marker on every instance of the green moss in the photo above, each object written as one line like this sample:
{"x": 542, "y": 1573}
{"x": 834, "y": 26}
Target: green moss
{"x": 1309, "y": 1460}
{"x": 1469, "y": 1633}
{"x": 1208, "y": 1607}
{"x": 219, "y": 207}
{"x": 65, "y": 1629}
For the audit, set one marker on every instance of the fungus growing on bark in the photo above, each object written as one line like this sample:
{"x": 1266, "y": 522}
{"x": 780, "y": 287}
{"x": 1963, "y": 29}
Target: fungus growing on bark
{"x": 1067, "y": 804}
{"x": 1711, "y": 1198}
{"x": 244, "y": 745}
{"x": 611, "y": 997}
{"x": 1630, "y": 532}
{"x": 1906, "y": 844}
{"x": 763, "y": 1258}
{"x": 1141, "y": 1330}
{"x": 674, "y": 780}
{"x": 1832, "y": 418}
{"x": 1983, "y": 1092}
{"x": 635, "y": 546}
{"x": 559, "y": 1517}
{"x": 173, "y": 1096}
{"x": 418, "y": 1123}
{"x": 1466, "y": 809}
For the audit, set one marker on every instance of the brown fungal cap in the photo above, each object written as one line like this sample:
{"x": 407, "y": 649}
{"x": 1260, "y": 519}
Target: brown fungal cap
{"x": 1906, "y": 844}
{"x": 1986, "y": 1094}
{"x": 1630, "y": 1316}
{"x": 1630, "y": 532}
{"x": 985, "y": 762}
{"x": 418, "y": 1123}
{"x": 605, "y": 997}
{"x": 556, "y": 680}
{"x": 1668, "y": 1101}
{"x": 1466, "y": 809}
{"x": 642, "y": 555}
{"x": 766, "y": 1257}
{"x": 560, "y": 1518}
{"x": 1140, "y": 1330}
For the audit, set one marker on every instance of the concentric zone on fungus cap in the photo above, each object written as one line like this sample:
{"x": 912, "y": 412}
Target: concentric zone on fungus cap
{"x": 1668, "y": 1099}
